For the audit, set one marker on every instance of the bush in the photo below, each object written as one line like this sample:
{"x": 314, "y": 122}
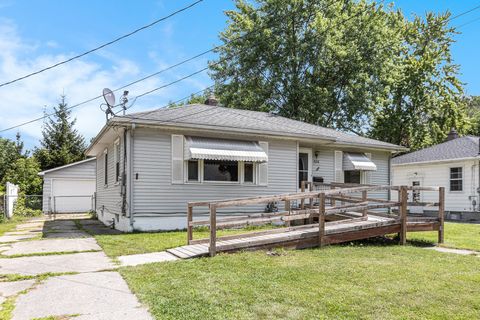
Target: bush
{"x": 20, "y": 209}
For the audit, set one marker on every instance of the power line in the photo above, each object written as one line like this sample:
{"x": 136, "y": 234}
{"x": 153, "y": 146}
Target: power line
{"x": 103, "y": 45}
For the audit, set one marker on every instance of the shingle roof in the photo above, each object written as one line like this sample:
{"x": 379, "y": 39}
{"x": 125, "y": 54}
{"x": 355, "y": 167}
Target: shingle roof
{"x": 215, "y": 117}
{"x": 464, "y": 147}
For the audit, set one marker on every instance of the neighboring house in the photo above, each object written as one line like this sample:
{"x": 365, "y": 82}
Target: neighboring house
{"x": 206, "y": 152}
{"x": 453, "y": 164}
{"x": 69, "y": 188}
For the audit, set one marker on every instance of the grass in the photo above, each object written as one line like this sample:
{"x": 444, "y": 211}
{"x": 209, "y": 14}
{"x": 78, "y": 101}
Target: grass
{"x": 457, "y": 235}
{"x": 337, "y": 282}
{"x": 136, "y": 243}
{"x": 9, "y": 225}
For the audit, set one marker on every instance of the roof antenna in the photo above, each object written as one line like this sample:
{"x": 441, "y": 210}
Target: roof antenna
{"x": 110, "y": 102}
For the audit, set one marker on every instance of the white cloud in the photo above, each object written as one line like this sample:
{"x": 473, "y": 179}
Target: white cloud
{"x": 79, "y": 80}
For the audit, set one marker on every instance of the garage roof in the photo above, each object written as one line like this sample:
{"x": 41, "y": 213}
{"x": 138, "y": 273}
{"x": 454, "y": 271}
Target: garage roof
{"x": 65, "y": 166}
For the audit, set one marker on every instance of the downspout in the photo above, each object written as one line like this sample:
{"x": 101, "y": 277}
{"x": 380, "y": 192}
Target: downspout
{"x": 131, "y": 174}
{"x": 390, "y": 182}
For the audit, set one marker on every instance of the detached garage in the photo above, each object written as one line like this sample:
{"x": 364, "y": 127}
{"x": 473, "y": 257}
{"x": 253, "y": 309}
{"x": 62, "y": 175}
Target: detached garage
{"x": 69, "y": 188}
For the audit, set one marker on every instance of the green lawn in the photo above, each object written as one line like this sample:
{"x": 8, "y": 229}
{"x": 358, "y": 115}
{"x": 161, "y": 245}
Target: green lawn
{"x": 457, "y": 235}
{"x": 9, "y": 225}
{"x": 135, "y": 243}
{"x": 337, "y": 282}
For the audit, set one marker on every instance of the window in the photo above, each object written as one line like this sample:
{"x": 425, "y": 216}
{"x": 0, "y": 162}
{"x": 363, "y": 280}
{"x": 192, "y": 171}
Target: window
{"x": 218, "y": 170}
{"x": 302, "y": 168}
{"x": 192, "y": 169}
{"x": 456, "y": 179}
{"x": 105, "y": 166}
{"x": 248, "y": 170}
{"x": 351, "y": 176}
{"x": 116, "y": 153}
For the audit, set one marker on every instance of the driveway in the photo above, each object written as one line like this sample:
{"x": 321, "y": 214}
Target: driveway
{"x": 62, "y": 272}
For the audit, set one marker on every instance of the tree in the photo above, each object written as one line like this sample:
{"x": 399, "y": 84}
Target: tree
{"x": 24, "y": 173}
{"x": 10, "y": 152}
{"x": 350, "y": 65}
{"x": 426, "y": 98}
{"x": 62, "y": 143}
{"x": 473, "y": 111}
{"x": 324, "y": 62}
{"x": 194, "y": 98}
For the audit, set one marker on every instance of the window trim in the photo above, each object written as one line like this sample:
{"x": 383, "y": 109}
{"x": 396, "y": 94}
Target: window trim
{"x": 241, "y": 177}
{"x": 105, "y": 168}
{"x": 456, "y": 179}
{"x": 116, "y": 154}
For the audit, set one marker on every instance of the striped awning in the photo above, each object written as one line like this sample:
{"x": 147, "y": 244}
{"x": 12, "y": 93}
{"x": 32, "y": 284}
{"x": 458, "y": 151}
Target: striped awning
{"x": 222, "y": 149}
{"x": 357, "y": 161}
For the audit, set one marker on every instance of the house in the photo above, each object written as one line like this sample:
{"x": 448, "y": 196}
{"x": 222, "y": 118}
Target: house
{"x": 207, "y": 152}
{"x": 453, "y": 164}
{"x": 69, "y": 188}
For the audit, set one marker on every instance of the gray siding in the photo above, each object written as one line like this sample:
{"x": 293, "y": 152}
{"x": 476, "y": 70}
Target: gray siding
{"x": 84, "y": 170}
{"x": 108, "y": 197}
{"x": 324, "y": 166}
{"x": 154, "y": 193}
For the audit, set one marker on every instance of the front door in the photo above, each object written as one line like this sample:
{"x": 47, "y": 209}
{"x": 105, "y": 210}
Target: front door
{"x": 304, "y": 165}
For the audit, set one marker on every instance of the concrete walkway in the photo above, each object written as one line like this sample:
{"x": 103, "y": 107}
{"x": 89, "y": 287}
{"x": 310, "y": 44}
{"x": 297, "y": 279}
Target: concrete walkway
{"x": 463, "y": 252}
{"x": 85, "y": 287}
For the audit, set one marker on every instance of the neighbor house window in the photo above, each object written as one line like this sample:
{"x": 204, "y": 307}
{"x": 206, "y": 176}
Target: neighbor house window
{"x": 456, "y": 179}
{"x": 218, "y": 170}
{"x": 248, "y": 172}
{"x": 351, "y": 176}
{"x": 192, "y": 170}
{"x": 116, "y": 153}
{"x": 105, "y": 166}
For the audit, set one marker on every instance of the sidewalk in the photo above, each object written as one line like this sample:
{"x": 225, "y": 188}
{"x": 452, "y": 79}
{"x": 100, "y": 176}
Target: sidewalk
{"x": 80, "y": 281}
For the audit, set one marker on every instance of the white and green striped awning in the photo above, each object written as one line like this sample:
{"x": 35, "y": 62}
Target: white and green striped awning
{"x": 201, "y": 148}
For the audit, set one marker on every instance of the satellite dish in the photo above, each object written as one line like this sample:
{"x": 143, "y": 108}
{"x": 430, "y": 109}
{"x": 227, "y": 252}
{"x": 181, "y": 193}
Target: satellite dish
{"x": 109, "y": 97}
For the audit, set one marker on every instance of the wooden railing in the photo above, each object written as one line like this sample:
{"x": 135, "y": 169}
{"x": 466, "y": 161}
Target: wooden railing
{"x": 342, "y": 199}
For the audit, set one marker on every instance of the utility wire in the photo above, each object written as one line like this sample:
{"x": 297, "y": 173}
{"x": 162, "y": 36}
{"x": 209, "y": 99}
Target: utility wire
{"x": 103, "y": 45}
{"x": 178, "y": 64}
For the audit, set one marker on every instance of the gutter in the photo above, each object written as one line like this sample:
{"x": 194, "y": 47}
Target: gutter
{"x": 434, "y": 161}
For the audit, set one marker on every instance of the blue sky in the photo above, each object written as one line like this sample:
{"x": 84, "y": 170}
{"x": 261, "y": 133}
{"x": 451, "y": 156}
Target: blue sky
{"x": 35, "y": 34}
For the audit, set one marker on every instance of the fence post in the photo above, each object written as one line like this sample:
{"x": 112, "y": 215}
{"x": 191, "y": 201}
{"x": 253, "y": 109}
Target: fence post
{"x": 213, "y": 230}
{"x": 288, "y": 209}
{"x": 321, "y": 219}
{"x": 302, "y": 189}
{"x": 189, "y": 226}
{"x": 403, "y": 214}
{"x": 364, "y": 198}
{"x": 441, "y": 214}
{"x": 332, "y": 201}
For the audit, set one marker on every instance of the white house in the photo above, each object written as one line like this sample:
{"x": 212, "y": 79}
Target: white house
{"x": 150, "y": 164}
{"x": 69, "y": 188}
{"x": 453, "y": 164}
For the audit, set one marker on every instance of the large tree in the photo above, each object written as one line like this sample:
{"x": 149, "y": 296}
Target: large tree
{"x": 62, "y": 143}
{"x": 426, "y": 98}
{"x": 10, "y": 152}
{"x": 24, "y": 173}
{"x": 339, "y": 64}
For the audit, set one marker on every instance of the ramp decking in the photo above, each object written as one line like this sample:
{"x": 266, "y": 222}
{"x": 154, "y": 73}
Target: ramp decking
{"x": 338, "y": 222}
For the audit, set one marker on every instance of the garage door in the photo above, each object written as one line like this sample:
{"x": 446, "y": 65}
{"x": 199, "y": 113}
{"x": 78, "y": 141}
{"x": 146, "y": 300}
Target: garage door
{"x": 72, "y": 195}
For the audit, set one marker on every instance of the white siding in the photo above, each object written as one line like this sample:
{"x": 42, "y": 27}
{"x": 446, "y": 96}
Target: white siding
{"x": 108, "y": 196}
{"x": 155, "y": 195}
{"x": 324, "y": 166}
{"x": 85, "y": 170}
{"x": 438, "y": 175}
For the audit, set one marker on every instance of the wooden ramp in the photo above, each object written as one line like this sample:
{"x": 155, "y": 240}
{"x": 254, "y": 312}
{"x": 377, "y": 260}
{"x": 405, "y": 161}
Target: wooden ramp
{"x": 350, "y": 214}
{"x": 305, "y": 236}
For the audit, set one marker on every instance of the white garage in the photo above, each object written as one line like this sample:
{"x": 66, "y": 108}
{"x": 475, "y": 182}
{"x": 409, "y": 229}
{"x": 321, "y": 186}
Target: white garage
{"x": 69, "y": 188}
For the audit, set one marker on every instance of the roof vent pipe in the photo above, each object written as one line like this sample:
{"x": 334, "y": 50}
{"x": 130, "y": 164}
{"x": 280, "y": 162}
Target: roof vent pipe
{"x": 211, "y": 101}
{"x": 453, "y": 134}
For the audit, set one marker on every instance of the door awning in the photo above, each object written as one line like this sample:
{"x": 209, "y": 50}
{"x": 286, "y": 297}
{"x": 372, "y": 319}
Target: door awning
{"x": 221, "y": 149}
{"x": 357, "y": 161}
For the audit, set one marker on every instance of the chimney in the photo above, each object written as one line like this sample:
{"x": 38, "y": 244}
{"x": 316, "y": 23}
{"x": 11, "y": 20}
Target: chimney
{"x": 452, "y": 135}
{"x": 211, "y": 101}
